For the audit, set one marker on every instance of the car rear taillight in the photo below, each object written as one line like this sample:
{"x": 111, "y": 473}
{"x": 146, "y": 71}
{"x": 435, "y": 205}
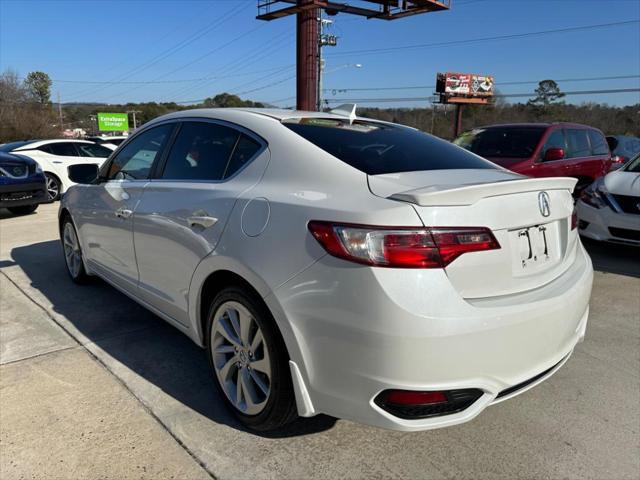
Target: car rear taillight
{"x": 574, "y": 219}
{"x": 433, "y": 247}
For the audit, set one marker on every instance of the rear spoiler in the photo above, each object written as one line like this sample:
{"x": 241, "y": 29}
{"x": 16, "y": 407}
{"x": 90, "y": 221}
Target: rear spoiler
{"x": 444, "y": 195}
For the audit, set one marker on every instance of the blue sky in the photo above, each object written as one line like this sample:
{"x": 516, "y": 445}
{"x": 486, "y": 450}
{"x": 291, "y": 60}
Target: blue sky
{"x": 190, "y": 49}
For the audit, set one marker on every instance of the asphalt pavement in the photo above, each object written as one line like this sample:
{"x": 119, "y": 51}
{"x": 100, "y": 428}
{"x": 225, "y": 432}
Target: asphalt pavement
{"x": 94, "y": 386}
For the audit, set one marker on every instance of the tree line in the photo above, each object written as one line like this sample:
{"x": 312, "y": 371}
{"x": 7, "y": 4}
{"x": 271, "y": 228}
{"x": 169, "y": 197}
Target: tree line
{"x": 26, "y": 111}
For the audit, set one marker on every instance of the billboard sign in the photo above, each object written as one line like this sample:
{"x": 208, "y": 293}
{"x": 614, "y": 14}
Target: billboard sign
{"x": 113, "y": 122}
{"x": 464, "y": 85}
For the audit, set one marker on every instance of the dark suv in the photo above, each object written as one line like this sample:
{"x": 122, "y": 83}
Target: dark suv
{"x": 22, "y": 184}
{"x": 543, "y": 149}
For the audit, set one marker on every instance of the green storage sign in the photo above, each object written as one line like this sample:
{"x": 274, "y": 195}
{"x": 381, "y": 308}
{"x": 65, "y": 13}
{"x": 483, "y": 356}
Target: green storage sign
{"x": 113, "y": 122}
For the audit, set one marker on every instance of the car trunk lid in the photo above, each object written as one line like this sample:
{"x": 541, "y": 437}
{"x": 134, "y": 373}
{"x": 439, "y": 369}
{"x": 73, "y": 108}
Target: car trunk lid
{"x": 530, "y": 218}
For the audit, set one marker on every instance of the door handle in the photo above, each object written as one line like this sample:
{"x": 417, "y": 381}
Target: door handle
{"x": 123, "y": 213}
{"x": 202, "y": 220}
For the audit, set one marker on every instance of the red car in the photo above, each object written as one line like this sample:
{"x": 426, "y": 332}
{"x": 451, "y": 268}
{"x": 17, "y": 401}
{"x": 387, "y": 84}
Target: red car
{"x": 543, "y": 149}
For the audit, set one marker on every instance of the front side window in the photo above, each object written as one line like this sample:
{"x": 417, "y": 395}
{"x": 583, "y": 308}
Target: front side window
{"x": 376, "y": 148}
{"x": 135, "y": 160}
{"x": 598, "y": 143}
{"x": 578, "y": 143}
{"x": 93, "y": 150}
{"x": 63, "y": 149}
{"x": 201, "y": 152}
{"x": 555, "y": 140}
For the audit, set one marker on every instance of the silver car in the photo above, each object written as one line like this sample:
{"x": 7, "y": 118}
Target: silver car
{"x": 336, "y": 264}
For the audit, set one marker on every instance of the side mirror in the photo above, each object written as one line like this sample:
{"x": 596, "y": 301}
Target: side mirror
{"x": 84, "y": 173}
{"x": 553, "y": 154}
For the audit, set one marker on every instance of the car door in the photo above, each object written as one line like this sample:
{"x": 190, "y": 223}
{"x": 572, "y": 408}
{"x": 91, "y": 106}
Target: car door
{"x": 581, "y": 163}
{"x": 58, "y": 156}
{"x": 106, "y": 210}
{"x": 551, "y": 168}
{"x": 183, "y": 211}
{"x": 600, "y": 160}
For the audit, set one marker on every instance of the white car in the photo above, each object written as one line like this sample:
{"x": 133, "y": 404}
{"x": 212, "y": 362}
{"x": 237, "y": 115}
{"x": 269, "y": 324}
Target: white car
{"x": 335, "y": 264}
{"x": 55, "y": 157}
{"x": 609, "y": 209}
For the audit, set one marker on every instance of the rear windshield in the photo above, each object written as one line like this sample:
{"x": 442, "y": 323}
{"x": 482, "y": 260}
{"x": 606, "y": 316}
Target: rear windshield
{"x": 376, "y": 149}
{"x": 502, "y": 142}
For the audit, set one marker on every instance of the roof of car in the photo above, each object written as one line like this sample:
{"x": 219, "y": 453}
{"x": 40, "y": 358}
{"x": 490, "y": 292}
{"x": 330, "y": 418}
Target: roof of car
{"x": 37, "y": 143}
{"x": 276, "y": 113}
{"x": 540, "y": 125}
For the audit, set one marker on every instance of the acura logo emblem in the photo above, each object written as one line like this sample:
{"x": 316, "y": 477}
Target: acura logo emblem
{"x": 544, "y": 204}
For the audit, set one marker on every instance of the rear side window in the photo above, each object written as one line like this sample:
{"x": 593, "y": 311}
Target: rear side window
{"x": 93, "y": 150}
{"x": 201, "y": 152}
{"x": 502, "y": 142}
{"x": 578, "y": 143}
{"x": 245, "y": 149}
{"x": 376, "y": 149}
{"x": 598, "y": 143}
{"x": 63, "y": 149}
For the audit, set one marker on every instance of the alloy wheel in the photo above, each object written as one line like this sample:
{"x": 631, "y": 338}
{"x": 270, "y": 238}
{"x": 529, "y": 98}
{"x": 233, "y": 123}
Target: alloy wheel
{"x": 72, "y": 253}
{"x": 241, "y": 358}
{"x": 53, "y": 188}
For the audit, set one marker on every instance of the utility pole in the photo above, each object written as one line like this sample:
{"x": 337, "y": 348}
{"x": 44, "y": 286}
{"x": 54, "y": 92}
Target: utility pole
{"x": 307, "y": 57}
{"x": 323, "y": 40}
{"x": 133, "y": 112}
{"x": 458, "y": 124}
{"x": 307, "y": 13}
{"x": 60, "y": 113}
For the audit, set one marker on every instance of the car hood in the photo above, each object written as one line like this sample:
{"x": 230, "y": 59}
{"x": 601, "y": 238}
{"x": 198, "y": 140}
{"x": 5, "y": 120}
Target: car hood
{"x": 15, "y": 158}
{"x": 623, "y": 183}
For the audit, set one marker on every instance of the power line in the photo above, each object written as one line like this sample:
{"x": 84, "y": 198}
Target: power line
{"x": 240, "y": 64}
{"x": 507, "y": 95}
{"x": 521, "y": 82}
{"x": 176, "y": 48}
{"x": 514, "y": 36}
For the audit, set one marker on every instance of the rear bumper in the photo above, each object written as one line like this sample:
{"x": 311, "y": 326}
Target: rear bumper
{"x": 356, "y": 332}
{"x": 22, "y": 194}
{"x": 604, "y": 224}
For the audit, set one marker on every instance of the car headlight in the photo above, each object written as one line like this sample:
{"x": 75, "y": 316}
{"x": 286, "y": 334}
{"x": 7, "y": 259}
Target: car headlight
{"x": 595, "y": 195}
{"x": 38, "y": 168}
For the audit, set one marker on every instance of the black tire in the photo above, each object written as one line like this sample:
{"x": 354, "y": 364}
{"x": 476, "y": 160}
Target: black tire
{"x": 24, "y": 210}
{"x": 53, "y": 187}
{"x": 78, "y": 275}
{"x": 280, "y": 408}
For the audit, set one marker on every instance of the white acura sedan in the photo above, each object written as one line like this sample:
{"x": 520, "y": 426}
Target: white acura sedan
{"x": 609, "y": 209}
{"x": 336, "y": 264}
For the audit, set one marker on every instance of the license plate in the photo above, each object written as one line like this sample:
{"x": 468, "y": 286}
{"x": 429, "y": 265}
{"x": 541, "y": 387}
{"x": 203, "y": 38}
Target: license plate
{"x": 535, "y": 246}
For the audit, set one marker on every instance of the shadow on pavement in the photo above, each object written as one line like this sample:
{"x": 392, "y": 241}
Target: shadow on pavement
{"x": 613, "y": 257}
{"x": 137, "y": 339}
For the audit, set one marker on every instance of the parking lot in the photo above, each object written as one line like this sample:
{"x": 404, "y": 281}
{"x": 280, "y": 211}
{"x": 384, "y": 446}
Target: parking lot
{"x": 93, "y": 385}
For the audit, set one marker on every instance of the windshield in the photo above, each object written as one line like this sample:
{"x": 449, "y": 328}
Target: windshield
{"x": 376, "y": 148}
{"x": 633, "y": 165}
{"x": 501, "y": 142}
{"x": 9, "y": 147}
